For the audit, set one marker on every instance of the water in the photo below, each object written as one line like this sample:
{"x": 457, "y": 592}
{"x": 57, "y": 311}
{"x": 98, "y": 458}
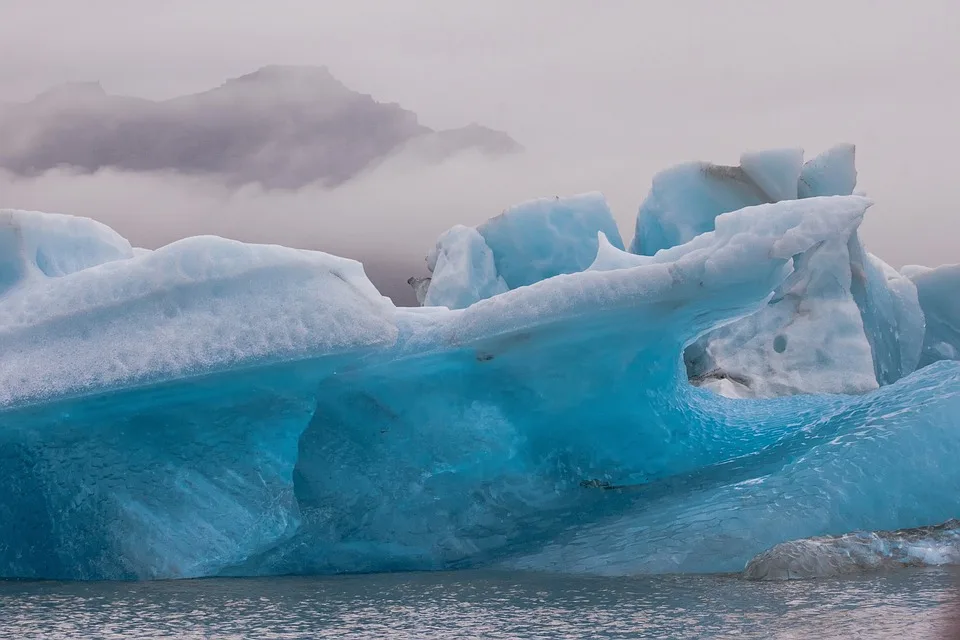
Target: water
{"x": 905, "y": 604}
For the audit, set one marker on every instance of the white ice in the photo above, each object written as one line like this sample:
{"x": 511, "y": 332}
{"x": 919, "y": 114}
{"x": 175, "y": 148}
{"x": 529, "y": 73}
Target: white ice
{"x": 463, "y": 270}
{"x": 34, "y": 244}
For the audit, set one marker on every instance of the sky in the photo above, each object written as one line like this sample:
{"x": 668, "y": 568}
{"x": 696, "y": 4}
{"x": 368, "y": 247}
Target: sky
{"x": 602, "y": 94}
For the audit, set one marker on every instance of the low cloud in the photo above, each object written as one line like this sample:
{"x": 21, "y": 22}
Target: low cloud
{"x": 602, "y": 95}
{"x": 389, "y": 217}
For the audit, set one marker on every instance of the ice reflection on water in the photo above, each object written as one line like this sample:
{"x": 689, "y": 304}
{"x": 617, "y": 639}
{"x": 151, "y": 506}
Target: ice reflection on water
{"x": 913, "y": 604}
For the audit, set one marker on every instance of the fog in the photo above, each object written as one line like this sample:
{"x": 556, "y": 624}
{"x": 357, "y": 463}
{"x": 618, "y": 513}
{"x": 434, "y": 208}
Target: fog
{"x": 388, "y": 217}
{"x": 602, "y": 95}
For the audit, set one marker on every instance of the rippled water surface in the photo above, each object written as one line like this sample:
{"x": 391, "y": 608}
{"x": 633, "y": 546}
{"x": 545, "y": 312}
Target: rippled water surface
{"x": 908, "y": 604}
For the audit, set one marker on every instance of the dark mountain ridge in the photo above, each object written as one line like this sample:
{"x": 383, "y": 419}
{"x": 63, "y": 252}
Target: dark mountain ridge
{"x": 280, "y": 126}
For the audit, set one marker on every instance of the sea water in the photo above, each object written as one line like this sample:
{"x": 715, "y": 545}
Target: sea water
{"x": 902, "y": 604}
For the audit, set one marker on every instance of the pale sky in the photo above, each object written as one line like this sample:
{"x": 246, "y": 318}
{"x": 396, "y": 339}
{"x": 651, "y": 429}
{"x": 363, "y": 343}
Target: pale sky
{"x": 602, "y": 93}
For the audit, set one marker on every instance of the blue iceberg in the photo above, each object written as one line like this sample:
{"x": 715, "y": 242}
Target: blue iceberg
{"x": 218, "y": 408}
{"x": 938, "y": 291}
{"x": 526, "y": 243}
{"x": 845, "y": 322}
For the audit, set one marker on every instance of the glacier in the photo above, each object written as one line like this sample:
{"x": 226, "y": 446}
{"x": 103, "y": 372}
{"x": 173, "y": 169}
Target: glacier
{"x": 215, "y": 408}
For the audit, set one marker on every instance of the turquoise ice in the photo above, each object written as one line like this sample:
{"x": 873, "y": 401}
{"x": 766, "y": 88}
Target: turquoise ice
{"x": 526, "y": 243}
{"x": 939, "y": 295}
{"x": 220, "y": 408}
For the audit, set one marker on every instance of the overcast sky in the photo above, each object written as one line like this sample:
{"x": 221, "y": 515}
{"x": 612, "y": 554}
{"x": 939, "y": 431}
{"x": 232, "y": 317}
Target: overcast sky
{"x": 603, "y": 94}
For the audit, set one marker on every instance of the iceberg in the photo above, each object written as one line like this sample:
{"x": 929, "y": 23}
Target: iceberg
{"x": 938, "y": 291}
{"x": 846, "y": 322}
{"x": 826, "y": 556}
{"x": 685, "y": 200}
{"x": 463, "y": 270}
{"x": 809, "y": 338}
{"x": 525, "y": 244}
{"x": 214, "y": 408}
{"x": 880, "y": 461}
{"x": 776, "y": 172}
{"x": 893, "y": 320}
{"x": 543, "y": 238}
{"x": 40, "y": 244}
{"x": 139, "y": 434}
{"x": 832, "y": 173}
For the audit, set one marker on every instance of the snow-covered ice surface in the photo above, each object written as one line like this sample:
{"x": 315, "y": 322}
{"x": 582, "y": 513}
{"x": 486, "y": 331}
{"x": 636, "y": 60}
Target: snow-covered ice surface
{"x": 219, "y": 408}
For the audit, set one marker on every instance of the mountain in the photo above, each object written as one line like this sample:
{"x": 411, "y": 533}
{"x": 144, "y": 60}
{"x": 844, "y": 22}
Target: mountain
{"x": 280, "y": 126}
